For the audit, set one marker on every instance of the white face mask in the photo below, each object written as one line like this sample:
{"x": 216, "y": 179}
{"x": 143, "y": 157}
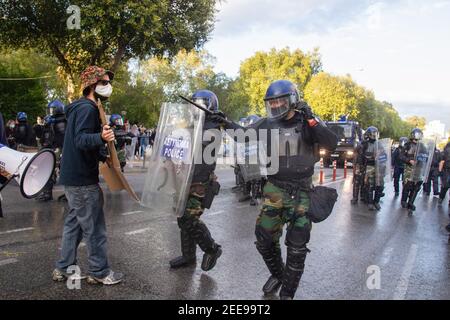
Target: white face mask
{"x": 104, "y": 91}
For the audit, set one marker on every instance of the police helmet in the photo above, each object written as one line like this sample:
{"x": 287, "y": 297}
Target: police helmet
{"x": 206, "y": 98}
{"x": 372, "y": 133}
{"x": 55, "y": 107}
{"x": 402, "y": 141}
{"x": 416, "y": 134}
{"x": 252, "y": 119}
{"x": 281, "y": 97}
{"x": 116, "y": 120}
{"x": 22, "y": 117}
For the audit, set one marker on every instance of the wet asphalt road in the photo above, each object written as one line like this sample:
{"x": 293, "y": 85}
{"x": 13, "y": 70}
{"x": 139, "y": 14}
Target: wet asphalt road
{"x": 411, "y": 253}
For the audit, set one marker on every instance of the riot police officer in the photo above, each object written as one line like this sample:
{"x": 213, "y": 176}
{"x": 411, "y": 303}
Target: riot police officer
{"x": 444, "y": 168}
{"x": 369, "y": 153}
{"x": 287, "y": 192}
{"x": 250, "y": 185}
{"x": 399, "y": 166}
{"x": 359, "y": 173}
{"x": 433, "y": 175}
{"x": 23, "y": 133}
{"x": 122, "y": 138}
{"x": 204, "y": 187}
{"x": 411, "y": 187}
{"x": 52, "y": 137}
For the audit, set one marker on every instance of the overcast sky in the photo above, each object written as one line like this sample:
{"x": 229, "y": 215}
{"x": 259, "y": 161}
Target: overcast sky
{"x": 399, "y": 49}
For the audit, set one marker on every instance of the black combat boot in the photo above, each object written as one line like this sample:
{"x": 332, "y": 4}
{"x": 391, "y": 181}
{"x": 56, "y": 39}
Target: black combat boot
{"x": 293, "y": 272}
{"x": 356, "y": 186}
{"x": 202, "y": 236}
{"x": 188, "y": 250}
{"x": 210, "y": 257}
{"x": 271, "y": 255}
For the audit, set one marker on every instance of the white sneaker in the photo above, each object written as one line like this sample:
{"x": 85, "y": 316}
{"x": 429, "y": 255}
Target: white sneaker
{"x": 111, "y": 279}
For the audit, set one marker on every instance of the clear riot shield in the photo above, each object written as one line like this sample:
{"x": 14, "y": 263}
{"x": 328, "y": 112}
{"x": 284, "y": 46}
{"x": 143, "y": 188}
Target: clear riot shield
{"x": 130, "y": 149}
{"x": 383, "y": 162}
{"x": 171, "y": 164}
{"x": 248, "y": 161}
{"x": 423, "y": 160}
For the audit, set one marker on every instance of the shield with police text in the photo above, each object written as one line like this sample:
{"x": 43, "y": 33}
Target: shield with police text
{"x": 423, "y": 159}
{"x": 171, "y": 165}
{"x": 383, "y": 161}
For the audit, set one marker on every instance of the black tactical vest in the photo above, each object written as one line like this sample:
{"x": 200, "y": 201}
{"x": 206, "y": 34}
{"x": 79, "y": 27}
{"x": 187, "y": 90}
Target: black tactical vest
{"x": 297, "y": 155}
{"x": 369, "y": 153}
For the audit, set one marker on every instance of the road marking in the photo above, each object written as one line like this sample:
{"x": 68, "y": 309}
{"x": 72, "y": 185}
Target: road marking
{"x": 16, "y": 230}
{"x": 131, "y": 233}
{"x": 402, "y": 285}
{"x": 8, "y": 261}
{"x": 386, "y": 256}
{"x": 131, "y": 213}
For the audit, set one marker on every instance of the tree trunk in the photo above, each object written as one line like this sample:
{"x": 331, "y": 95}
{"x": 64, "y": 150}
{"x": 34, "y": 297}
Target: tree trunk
{"x": 118, "y": 57}
{"x": 71, "y": 89}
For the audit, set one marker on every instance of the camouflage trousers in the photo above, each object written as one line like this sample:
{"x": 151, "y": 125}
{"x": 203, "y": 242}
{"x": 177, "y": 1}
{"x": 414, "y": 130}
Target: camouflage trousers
{"x": 373, "y": 188}
{"x": 194, "y": 206}
{"x": 280, "y": 208}
{"x": 193, "y": 230}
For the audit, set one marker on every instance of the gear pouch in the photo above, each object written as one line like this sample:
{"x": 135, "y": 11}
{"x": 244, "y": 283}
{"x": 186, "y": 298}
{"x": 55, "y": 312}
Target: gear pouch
{"x": 322, "y": 200}
{"x": 212, "y": 190}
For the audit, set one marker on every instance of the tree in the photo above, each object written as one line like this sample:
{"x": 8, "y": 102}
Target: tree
{"x": 157, "y": 80}
{"x": 332, "y": 96}
{"x": 257, "y": 72}
{"x": 111, "y": 31}
{"x": 19, "y": 91}
{"x": 417, "y": 122}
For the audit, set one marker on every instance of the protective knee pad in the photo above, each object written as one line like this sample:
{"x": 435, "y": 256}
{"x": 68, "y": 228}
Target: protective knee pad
{"x": 202, "y": 236}
{"x": 188, "y": 245}
{"x": 293, "y": 272}
{"x": 298, "y": 237}
{"x": 270, "y": 252}
{"x": 378, "y": 192}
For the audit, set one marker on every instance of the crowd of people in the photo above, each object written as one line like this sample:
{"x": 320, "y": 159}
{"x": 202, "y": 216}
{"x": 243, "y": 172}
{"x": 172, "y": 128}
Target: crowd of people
{"x": 289, "y": 196}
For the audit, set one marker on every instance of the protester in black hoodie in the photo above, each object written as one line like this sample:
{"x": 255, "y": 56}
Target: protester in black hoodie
{"x": 83, "y": 142}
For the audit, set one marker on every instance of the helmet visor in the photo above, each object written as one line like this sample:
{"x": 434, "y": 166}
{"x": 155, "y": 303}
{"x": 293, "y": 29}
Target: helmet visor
{"x": 278, "y": 107}
{"x": 416, "y": 135}
{"x": 119, "y": 122}
{"x": 204, "y": 102}
{"x": 373, "y": 135}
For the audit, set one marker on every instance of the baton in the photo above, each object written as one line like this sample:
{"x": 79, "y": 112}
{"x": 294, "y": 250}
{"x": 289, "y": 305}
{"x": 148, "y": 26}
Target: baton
{"x": 204, "y": 109}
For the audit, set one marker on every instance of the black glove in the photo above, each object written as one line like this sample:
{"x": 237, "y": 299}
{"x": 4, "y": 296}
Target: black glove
{"x": 306, "y": 110}
{"x": 217, "y": 117}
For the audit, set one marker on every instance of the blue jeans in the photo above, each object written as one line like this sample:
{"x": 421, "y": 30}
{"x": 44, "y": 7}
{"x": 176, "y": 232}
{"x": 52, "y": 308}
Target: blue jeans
{"x": 85, "y": 219}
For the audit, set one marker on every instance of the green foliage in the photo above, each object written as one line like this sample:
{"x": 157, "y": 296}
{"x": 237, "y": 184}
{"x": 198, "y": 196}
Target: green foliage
{"x": 160, "y": 80}
{"x": 29, "y": 96}
{"x": 111, "y": 31}
{"x": 332, "y": 96}
{"x": 258, "y": 71}
{"x": 416, "y": 122}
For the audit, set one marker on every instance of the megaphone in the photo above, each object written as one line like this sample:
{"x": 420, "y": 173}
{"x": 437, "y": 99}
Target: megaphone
{"x": 32, "y": 171}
